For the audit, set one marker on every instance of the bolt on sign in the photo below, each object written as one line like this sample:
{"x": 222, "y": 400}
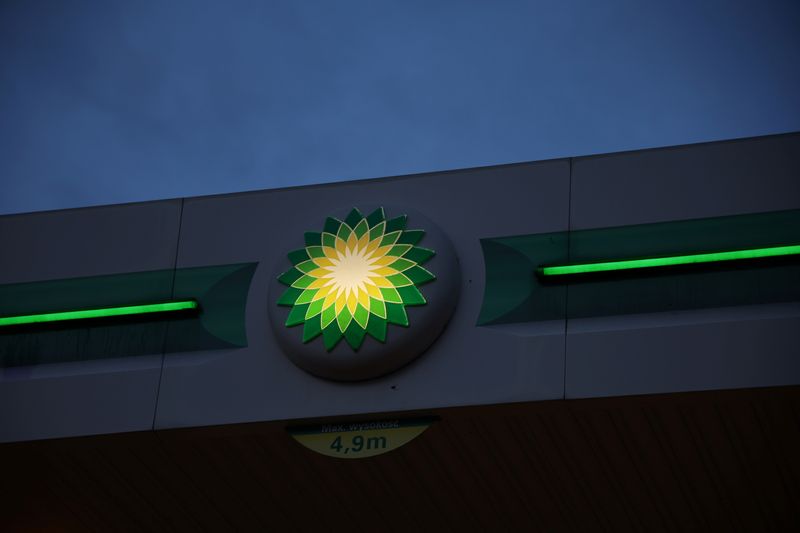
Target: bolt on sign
{"x": 365, "y": 295}
{"x": 354, "y": 278}
{"x": 357, "y": 440}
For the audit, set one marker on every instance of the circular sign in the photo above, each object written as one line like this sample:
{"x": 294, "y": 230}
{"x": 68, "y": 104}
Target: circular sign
{"x": 365, "y": 295}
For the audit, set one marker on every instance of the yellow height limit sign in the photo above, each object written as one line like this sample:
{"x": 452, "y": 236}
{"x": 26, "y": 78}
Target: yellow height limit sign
{"x": 357, "y": 440}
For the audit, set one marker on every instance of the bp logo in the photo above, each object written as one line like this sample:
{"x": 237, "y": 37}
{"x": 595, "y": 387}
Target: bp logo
{"x": 354, "y": 278}
{"x": 364, "y": 295}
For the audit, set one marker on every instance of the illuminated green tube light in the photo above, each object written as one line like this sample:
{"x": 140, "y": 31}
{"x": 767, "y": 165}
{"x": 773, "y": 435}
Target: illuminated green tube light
{"x": 673, "y": 260}
{"x": 85, "y": 314}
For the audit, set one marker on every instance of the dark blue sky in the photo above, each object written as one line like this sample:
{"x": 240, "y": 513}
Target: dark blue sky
{"x": 105, "y": 102}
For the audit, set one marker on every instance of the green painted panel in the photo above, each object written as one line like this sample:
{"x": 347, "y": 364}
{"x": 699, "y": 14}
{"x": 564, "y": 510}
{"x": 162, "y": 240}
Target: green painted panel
{"x": 718, "y": 286}
{"x": 514, "y": 294}
{"x": 685, "y": 260}
{"x": 221, "y": 292}
{"x": 65, "y": 344}
{"x": 113, "y": 313}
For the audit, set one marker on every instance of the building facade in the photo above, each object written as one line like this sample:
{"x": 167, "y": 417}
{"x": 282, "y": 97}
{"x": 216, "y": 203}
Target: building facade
{"x": 637, "y": 396}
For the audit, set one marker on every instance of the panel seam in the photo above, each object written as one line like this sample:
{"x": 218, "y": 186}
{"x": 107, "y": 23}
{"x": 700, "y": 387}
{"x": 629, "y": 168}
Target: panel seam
{"x": 566, "y": 289}
{"x": 166, "y": 329}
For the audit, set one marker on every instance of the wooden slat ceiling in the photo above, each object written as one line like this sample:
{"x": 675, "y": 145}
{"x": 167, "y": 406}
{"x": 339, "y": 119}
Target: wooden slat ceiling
{"x": 724, "y": 460}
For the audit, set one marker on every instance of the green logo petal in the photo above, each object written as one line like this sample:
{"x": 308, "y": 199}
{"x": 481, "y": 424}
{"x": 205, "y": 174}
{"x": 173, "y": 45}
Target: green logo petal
{"x": 354, "y": 277}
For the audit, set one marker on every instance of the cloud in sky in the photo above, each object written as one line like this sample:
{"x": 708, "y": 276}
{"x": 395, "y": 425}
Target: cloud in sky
{"x": 104, "y": 102}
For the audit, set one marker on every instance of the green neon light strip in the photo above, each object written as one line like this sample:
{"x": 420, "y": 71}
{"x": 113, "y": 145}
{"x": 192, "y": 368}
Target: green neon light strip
{"x": 83, "y": 314}
{"x": 636, "y": 264}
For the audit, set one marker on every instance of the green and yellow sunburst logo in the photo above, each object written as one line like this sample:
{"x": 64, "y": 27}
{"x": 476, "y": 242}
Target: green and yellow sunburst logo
{"x": 354, "y": 278}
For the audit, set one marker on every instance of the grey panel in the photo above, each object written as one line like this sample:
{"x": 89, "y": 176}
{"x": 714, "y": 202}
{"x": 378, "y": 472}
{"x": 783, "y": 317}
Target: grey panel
{"x": 467, "y": 365}
{"x": 698, "y": 181}
{"x": 88, "y": 397}
{"x": 89, "y": 242}
{"x": 725, "y": 348}
{"x": 739, "y": 347}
